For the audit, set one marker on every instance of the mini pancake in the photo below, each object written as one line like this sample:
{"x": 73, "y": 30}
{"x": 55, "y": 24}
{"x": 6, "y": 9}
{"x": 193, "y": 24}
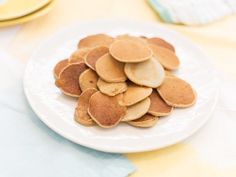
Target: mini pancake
{"x": 88, "y": 79}
{"x": 68, "y": 79}
{"x": 94, "y": 55}
{"x": 177, "y": 92}
{"x": 81, "y": 111}
{"x": 130, "y": 51}
{"x": 161, "y": 42}
{"x": 105, "y": 110}
{"x": 167, "y": 58}
{"x": 158, "y": 106}
{"x": 137, "y": 110}
{"x": 132, "y": 38}
{"x": 145, "y": 121}
{"x": 95, "y": 40}
{"x": 109, "y": 69}
{"x": 135, "y": 94}
{"x": 111, "y": 89}
{"x": 79, "y": 55}
{"x": 149, "y": 73}
{"x": 59, "y": 67}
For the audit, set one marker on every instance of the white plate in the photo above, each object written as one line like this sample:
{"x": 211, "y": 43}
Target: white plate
{"x": 57, "y": 110}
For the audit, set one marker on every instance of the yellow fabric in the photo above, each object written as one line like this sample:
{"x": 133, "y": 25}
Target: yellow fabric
{"x": 217, "y": 40}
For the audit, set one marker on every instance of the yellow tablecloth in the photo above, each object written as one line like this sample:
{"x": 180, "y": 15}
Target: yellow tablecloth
{"x": 217, "y": 40}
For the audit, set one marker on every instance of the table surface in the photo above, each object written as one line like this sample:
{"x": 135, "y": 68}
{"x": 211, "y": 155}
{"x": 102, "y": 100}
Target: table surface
{"x": 217, "y": 40}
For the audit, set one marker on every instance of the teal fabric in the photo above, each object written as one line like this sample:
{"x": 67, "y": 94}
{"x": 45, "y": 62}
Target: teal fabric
{"x": 160, "y": 10}
{"x": 29, "y": 148}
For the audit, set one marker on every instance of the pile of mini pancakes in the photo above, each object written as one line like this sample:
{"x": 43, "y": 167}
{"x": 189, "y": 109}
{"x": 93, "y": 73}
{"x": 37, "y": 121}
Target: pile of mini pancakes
{"x": 123, "y": 79}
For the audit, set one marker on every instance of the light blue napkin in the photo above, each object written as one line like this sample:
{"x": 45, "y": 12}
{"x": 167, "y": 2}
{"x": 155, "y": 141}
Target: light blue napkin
{"x": 192, "y": 12}
{"x": 28, "y": 148}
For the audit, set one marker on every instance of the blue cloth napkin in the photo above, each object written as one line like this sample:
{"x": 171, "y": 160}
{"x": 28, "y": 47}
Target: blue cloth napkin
{"x": 193, "y": 12}
{"x": 28, "y": 148}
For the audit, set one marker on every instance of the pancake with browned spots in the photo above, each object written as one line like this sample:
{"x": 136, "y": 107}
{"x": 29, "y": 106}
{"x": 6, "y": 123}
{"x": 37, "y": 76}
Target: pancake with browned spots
{"x": 161, "y": 42}
{"x": 177, "y": 92}
{"x": 81, "y": 111}
{"x": 105, "y": 110}
{"x": 59, "y": 67}
{"x": 88, "y": 79}
{"x": 94, "y": 55}
{"x": 158, "y": 106}
{"x": 167, "y": 58}
{"x": 68, "y": 79}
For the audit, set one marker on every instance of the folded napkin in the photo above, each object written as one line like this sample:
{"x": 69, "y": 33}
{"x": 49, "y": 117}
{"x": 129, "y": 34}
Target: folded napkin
{"x": 193, "y": 12}
{"x": 28, "y": 148}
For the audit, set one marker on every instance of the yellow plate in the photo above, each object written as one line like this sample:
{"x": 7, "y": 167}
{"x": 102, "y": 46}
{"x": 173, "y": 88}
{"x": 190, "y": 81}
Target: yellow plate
{"x": 10, "y": 9}
{"x": 29, "y": 17}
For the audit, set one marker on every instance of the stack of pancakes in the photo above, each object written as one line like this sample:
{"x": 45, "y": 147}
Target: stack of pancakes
{"x": 123, "y": 79}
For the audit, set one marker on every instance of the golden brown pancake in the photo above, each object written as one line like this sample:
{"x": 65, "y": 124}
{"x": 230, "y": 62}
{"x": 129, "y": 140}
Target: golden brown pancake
{"x": 145, "y": 121}
{"x": 132, "y": 38}
{"x": 158, "y": 106}
{"x": 137, "y": 110}
{"x": 130, "y": 51}
{"x": 111, "y": 89}
{"x": 177, "y": 92}
{"x": 135, "y": 94}
{"x": 94, "y": 55}
{"x": 68, "y": 79}
{"x": 79, "y": 55}
{"x": 88, "y": 79}
{"x": 59, "y": 67}
{"x": 109, "y": 69}
{"x": 161, "y": 42}
{"x": 81, "y": 111}
{"x": 105, "y": 110}
{"x": 95, "y": 40}
{"x": 149, "y": 73}
{"x": 167, "y": 58}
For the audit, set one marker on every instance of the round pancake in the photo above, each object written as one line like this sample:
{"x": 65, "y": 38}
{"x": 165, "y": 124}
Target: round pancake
{"x": 68, "y": 79}
{"x": 149, "y": 73}
{"x": 88, "y": 79}
{"x": 135, "y": 94}
{"x": 133, "y": 38}
{"x": 145, "y": 121}
{"x": 137, "y": 110}
{"x": 167, "y": 58}
{"x": 158, "y": 106}
{"x": 130, "y": 51}
{"x": 95, "y": 40}
{"x": 94, "y": 55}
{"x": 177, "y": 92}
{"x": 79, "y": 55}
{"x": 161, "y": 42}
{"x": 59, "y": 67}
{"x": 109, "y": 69}
{"x": 105, "y": 110}
{"x": 111, "y": 89}
{"x": 81, "y": 111}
